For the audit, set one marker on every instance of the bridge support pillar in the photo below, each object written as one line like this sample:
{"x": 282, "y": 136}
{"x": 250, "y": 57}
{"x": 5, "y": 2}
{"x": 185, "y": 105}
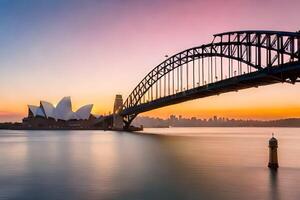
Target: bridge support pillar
{"x": 117, "y": 118}
{"x": 118, "y": 122}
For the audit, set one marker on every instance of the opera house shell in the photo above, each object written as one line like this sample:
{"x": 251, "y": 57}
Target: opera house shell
{"x": 63, "y": 111}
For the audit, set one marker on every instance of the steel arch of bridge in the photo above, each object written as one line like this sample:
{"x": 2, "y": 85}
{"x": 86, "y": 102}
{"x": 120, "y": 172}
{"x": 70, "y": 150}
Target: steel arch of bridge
{"x": 229, "y": 55}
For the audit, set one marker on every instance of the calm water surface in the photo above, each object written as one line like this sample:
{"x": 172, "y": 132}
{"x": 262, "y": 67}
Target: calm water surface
{"x": 174, "y": 163}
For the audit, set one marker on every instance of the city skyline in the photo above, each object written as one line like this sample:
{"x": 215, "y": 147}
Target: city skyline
{"x": 213, "y": 121}
{"x": 58, "y": 48}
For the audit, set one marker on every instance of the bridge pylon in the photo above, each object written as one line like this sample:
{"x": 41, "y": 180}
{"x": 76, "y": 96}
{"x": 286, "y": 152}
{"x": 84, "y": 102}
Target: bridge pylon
{"x": 117, "y": 118}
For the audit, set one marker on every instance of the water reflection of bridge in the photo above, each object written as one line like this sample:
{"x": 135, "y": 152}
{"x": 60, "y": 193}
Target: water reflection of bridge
{"x": 231, "y": 62}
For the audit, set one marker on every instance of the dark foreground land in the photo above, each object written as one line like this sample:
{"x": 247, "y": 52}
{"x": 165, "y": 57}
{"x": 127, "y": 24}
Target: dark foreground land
{"x": 20, "y": 126}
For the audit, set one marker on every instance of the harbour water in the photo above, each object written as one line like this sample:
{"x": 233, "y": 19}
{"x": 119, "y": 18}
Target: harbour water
{"x": 171, "y": 163}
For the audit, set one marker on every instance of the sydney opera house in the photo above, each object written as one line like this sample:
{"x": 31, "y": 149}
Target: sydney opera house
{"x": 46, "y": 115}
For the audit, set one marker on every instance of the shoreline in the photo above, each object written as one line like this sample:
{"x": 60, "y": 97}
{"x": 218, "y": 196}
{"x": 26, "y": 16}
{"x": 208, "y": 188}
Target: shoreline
{"x": 137, "y": 129}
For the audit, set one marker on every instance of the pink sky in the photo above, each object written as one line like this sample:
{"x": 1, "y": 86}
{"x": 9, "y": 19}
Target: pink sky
{"x": 94, "y": 50}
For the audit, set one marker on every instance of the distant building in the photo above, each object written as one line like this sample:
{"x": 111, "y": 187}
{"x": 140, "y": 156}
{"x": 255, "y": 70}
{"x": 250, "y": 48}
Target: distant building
{"x": 215, "y": 118}
{"x": 48, "y": 116}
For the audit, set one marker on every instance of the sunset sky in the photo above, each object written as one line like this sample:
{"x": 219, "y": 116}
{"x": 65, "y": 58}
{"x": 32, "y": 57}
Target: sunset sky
{"x": 92, "y": 50}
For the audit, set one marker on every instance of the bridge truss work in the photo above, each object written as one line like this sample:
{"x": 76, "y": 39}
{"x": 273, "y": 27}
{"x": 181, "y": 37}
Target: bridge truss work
{"x": 232, "y": 61}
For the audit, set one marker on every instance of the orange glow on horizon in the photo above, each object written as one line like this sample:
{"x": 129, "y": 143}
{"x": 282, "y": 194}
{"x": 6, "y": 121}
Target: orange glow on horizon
{"x": 186, "y": 111}
{"x": 263, "y": 103}
{"x": 255, "y": 113}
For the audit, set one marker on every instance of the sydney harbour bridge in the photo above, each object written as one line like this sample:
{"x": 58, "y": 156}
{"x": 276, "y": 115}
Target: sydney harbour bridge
{"x": 231, "y": 62}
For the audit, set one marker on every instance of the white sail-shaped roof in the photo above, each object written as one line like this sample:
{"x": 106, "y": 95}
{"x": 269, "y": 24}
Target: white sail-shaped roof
{"x": 71, "y": 115}
{"x": 63, "y": 109}
{"x": 84, "y": 112}
{"x": 48, "y": 109}
{"x": 33, "y": 109}
{"x": 39, "y": 112}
